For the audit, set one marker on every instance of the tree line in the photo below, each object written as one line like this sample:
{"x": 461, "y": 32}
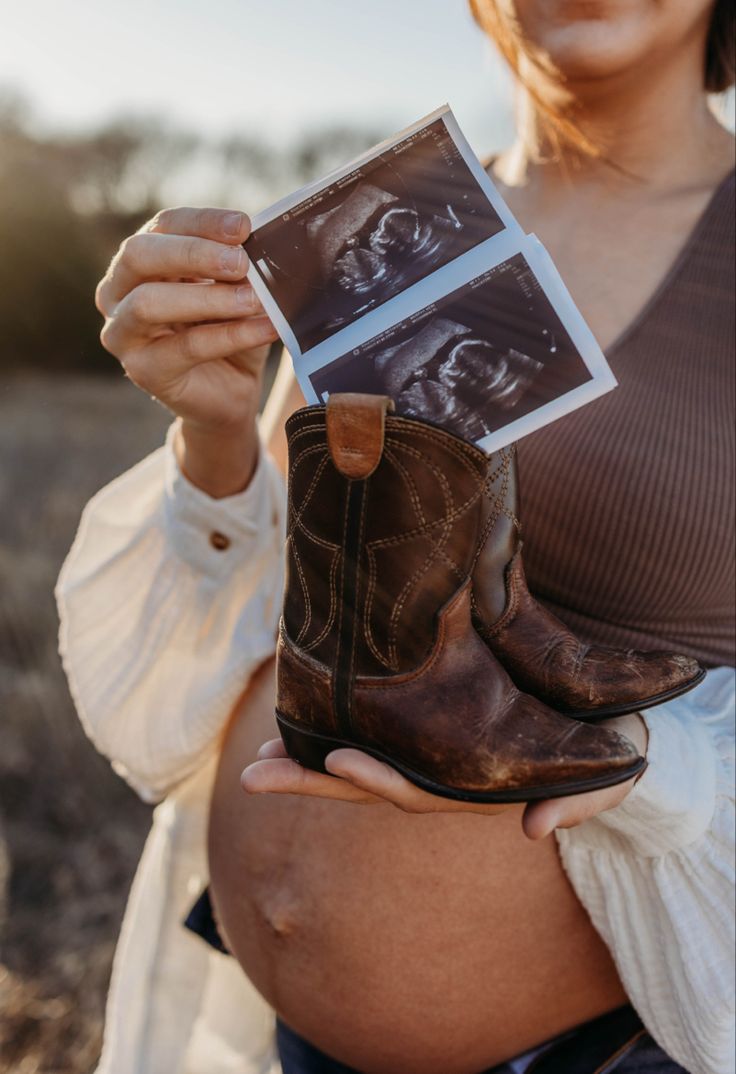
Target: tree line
{"x": 68, "y": 199}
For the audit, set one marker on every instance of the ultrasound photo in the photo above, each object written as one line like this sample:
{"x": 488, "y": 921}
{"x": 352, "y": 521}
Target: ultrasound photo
{"x": 487, "y": 354}
{"x": 355, "y": 244}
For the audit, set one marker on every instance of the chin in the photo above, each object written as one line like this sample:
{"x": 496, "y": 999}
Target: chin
{"x": 589, "y": 50}
{"x": 593, "y": 39}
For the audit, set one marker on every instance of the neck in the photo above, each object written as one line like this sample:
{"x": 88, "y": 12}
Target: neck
{"x": 654, "y": 126}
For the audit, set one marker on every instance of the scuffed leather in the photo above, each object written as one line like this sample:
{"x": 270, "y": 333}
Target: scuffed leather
{"x": 304, "y": 688}
{"x": 425, "y": 690}
{"x": 457, "y": 720}
{"x": 548, "y": 660}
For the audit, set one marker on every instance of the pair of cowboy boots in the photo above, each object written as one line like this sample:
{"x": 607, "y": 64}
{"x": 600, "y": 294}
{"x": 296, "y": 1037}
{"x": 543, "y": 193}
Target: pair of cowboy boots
{"x": 408, "y": 630}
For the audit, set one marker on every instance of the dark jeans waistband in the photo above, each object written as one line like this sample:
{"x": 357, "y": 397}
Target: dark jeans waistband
{"x": 616, "y": 1041}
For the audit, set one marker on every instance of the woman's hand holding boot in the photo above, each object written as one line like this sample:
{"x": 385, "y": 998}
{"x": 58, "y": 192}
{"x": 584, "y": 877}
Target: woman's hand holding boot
{"x": 189, "y": 330}
{"x": 358, "y": 777}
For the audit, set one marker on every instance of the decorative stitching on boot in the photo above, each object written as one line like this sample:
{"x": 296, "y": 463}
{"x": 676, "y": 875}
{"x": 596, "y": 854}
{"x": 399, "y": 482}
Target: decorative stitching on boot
{"x": 499, "y": 501}
{"x": 306, "y": 424}
{"x": 361, "y": 530}
{"x": 416, "y": 504}
{"x": 372, "y": 572}
{"x": 407, "y": 678}
{"x": 341, "y": 605}
{"x": 333, "y": 606}
{"x": 424, "y": 529}
{"x": 418, "y": 531}
{"x": 420, "y": 571}
{"x": 296, "y": 524}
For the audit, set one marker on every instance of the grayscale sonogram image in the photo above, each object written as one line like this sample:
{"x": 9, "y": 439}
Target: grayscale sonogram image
{"x": 487, "y": 354}
{"x": 372, "y": 234}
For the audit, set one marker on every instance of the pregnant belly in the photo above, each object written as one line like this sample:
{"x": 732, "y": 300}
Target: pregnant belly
{"x": 436, "y": 944}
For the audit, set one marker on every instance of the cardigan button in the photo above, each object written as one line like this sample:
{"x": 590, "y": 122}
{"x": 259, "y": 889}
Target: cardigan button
{"x": 219, "y": 541}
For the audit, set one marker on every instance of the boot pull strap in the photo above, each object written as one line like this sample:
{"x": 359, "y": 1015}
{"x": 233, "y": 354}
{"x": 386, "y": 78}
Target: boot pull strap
{"x": 356, "y": 426}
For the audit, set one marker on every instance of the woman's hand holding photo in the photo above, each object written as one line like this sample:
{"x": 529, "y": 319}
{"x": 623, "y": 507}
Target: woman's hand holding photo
{"x": 189, "y": 330}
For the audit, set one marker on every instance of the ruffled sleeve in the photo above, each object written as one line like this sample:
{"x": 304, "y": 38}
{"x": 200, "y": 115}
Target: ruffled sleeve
{"x": 656, "y": 875}
{"x": 168, "y": 601}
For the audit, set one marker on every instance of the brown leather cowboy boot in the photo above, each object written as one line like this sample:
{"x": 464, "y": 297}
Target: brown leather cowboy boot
{"x": 377, "y": 649}
{"x": 544, "y": 657}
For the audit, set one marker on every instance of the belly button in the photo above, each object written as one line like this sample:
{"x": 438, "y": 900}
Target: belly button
{"x": 281, "y": 914}
{"x": 282, "y": 921}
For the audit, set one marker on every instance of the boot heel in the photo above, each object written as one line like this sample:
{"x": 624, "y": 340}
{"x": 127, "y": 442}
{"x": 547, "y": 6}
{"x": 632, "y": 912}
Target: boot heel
{"x": 308, "y": 749}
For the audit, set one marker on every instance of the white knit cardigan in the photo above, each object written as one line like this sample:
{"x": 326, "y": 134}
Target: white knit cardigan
{"x": 160, "y": 631}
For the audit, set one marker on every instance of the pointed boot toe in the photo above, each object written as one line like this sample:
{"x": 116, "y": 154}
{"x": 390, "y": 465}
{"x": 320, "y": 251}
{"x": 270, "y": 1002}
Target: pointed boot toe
{"x": 642, "y": 680}
{"x": 601, "y": 759}
{"x": 667, "y": 674}
{"x": 556, "y": 755}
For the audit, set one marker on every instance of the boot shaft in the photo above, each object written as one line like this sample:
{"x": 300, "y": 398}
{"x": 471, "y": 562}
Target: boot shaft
{"x": 371, "y": 559}
{"x": 389, "y": 518}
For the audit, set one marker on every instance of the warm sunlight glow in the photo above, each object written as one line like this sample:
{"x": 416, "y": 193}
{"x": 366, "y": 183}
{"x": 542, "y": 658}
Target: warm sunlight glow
{"x": 274, "y": 68}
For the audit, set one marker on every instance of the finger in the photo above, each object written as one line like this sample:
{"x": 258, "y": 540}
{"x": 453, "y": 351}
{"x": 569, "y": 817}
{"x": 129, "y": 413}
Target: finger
{"x": 147, "y": 256}
{"x": 382, "y": 781}
{"x": 166, "y": 359}
{"x": 151, "y": 305}
{"x": 272, "y": 749}
{"x": 284, "y": 776}
{"x": 208, "y": 342}
{"x": 221, "y": 225}
{"x": 373, "y": 776}
{"x": 542, "y": 818}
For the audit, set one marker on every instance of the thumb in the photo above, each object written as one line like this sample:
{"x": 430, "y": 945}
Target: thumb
{"x": 541, "y": 818}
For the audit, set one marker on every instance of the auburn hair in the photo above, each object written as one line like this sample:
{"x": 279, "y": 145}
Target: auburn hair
{"x": 530, "y": 67}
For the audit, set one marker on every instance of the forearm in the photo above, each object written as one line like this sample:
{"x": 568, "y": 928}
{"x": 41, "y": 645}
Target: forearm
{"x": 220, "y": 462}
{"x": 160, "y": 626}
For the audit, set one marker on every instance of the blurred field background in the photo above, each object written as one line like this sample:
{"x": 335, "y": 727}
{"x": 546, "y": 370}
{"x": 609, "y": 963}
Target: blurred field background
{"x": 70, "y": 831}
{"x": 108, "y": 113}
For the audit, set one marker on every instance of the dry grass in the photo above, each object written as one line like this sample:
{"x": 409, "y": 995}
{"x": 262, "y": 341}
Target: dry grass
{"x": 70, "y": 831}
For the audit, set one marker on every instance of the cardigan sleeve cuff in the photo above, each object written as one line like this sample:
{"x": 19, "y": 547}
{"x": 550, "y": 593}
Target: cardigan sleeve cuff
{"x": 215, "y": 536}
{"x": 672, "y": 804}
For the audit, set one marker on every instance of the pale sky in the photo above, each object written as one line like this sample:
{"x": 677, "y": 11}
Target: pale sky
{"x": 275, "y": 67}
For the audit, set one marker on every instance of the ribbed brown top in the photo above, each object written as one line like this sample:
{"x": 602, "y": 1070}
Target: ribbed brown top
{"x": 628, "y": 504}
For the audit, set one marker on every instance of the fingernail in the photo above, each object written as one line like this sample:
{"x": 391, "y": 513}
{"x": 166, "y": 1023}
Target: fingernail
{"x": 333, "y": 766}
{"x": 231, "y": 224}
{"x": 244, "y": 778}
{"x": 232, "y": 260}
{"x": 243, "y": 296}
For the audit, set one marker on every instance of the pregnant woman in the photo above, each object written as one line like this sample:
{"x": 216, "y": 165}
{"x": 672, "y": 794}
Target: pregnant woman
{"x": 392, "y": 932}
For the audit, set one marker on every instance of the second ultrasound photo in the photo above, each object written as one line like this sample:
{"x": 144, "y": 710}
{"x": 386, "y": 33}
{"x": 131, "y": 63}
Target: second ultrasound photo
{"x": 352, "y": 246}
{"x": 490, "y": 353}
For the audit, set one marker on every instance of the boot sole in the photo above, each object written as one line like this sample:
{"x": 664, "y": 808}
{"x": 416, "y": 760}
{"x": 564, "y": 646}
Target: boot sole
{"x": 309, "y": 749}
{"x": 633, "y": 706}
